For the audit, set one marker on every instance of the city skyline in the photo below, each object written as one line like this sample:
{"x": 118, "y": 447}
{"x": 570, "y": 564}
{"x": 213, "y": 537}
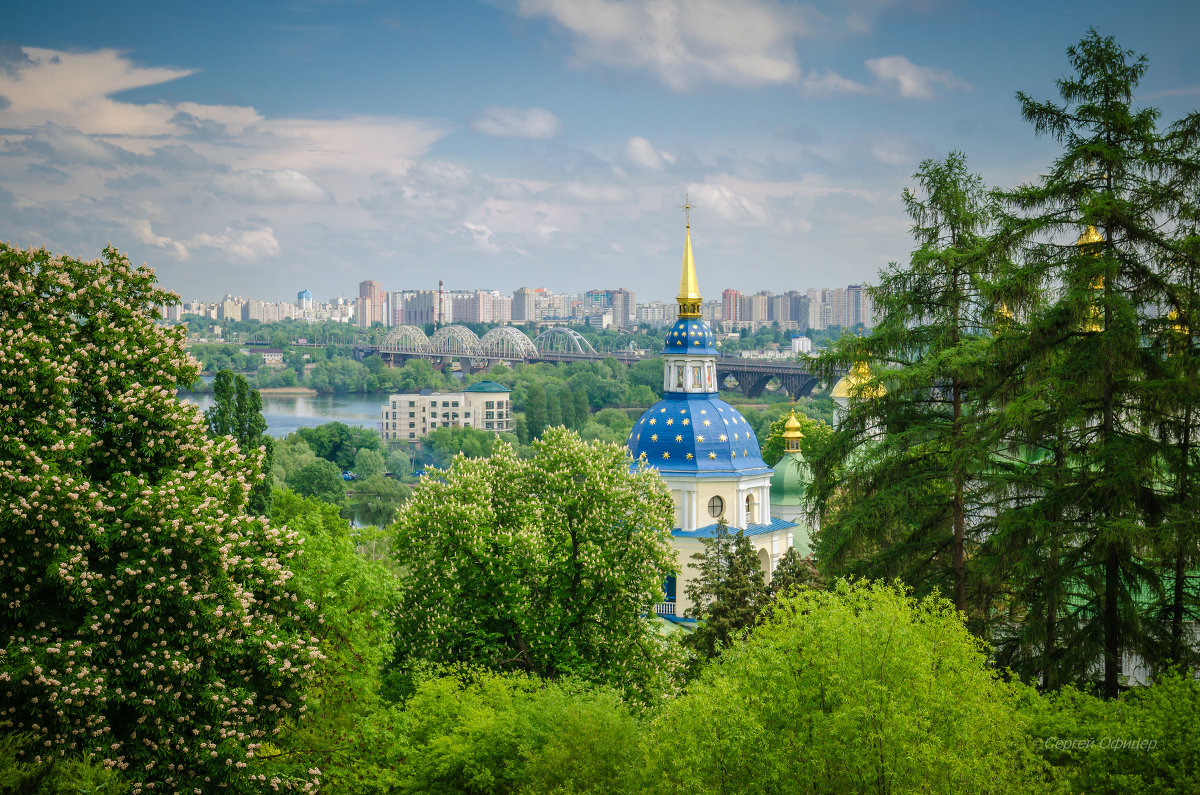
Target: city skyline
{"x": 525, "y": 142}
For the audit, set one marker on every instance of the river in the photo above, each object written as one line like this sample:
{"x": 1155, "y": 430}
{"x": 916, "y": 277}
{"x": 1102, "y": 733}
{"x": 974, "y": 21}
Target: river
{"x": 286, "y": 413}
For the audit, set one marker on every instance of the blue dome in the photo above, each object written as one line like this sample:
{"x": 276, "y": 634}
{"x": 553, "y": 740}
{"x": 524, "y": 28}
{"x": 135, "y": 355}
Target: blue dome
{"x": 698, "y": 435}
{"x": 690, "y": 335}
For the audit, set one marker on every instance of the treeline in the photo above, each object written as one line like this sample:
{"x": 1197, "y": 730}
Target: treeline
{"x": 1026, "y": 441}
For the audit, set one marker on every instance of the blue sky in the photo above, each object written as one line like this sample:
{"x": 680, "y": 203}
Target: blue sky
{"x": 260, "y": 148}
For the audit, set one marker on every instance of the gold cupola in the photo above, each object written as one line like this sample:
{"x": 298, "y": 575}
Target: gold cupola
{"x": 792, "y": 434}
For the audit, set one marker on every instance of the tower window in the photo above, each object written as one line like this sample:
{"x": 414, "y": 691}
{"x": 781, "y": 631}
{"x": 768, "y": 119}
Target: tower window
{"x": 716, "y": 507}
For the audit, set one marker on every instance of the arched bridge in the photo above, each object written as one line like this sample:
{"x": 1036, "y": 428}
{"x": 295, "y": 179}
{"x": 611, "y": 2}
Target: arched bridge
{"x": 559, "y": 344}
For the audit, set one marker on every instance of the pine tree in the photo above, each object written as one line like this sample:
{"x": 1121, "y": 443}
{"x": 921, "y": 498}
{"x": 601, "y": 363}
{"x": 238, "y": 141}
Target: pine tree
{"x": 794, "y": 572}
{"x": 902, "y": 472}
{"x": 237, "y": 412}
{"x": 1090, "y": 243}
{"x": 536, "y": 419}
{"x": 728, "y": 595}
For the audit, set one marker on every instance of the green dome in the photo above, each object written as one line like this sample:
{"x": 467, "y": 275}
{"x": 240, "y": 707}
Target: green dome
{"x": 790, "y": 481}
{"x": 487, "y": 386}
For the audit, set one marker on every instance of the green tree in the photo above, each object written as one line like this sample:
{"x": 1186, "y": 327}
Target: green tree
{"x": 237, "y": 412}
{"x": 399, "y": 463}
{"x": 1093, "y": 303}
{"x": 792, "y": 572}
{"x": 491, "y": 734}
{"x": 905, "y": 460}
{"x": 348, "y": 731}
{"x": 546, "y": 565}
{"x": 728, "y": 593}
{"x": 320, "y": 479}
{"x": 536, "y": 417}
{"x": 139, "y": 595}
{"x": 368, "y": 463}
{"x": 858, "y": 689}
{"x": 376, "y": 499}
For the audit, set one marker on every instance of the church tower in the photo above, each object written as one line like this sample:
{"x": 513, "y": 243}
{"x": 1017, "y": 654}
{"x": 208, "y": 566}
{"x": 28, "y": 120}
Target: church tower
{"x": 703, "y": 447}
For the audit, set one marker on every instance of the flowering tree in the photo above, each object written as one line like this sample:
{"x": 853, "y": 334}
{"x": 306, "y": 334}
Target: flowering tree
{"x": 144, "y": 617}
{"x": 547, "y": 565}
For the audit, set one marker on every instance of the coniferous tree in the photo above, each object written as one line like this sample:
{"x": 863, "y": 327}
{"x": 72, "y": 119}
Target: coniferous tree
{"x": 729, "y": 593}
{"x": 237, "y": 412}
{"x": 1089, "y": 235}
{"x": 902, "y": 472}
{"x": 794, "y": 572}
{"x": 536, "y": 419}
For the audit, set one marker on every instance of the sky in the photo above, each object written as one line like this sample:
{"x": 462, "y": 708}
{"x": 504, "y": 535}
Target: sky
{"x": 261, "y": 148}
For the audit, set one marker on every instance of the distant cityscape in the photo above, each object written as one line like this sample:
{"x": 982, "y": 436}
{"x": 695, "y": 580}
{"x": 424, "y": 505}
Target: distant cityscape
{"x": 813, "y": 309}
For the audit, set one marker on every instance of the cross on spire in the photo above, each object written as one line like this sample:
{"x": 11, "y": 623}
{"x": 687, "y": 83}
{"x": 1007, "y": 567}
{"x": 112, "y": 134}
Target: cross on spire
{"x": 687, "y": 211}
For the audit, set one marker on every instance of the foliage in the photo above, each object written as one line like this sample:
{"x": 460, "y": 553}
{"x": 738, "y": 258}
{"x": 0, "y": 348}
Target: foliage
{"x": 320, "y": 479}
{"x": 139, "y": 596}
{"x": 508, "y": 733}
{"x": 340, "y": 443}
{"x": 904, "y": 463}
{"x": 1148, "y": 740}
{"x": 399, "y": 463}
{"x": 368, "y": 463}
{"x": 50, "y": 776}
{"x": 376, "y": 499}
{"x": 1080, "y": 378}
{"x": 858, "y": 689}
{"x": 818, "y": 436}
{"x": 546, "y": 565}
{"x": 727, "y": 594}
{"x": 348, "y": 732}
{"x": 794, "y": 572}
{"x": 445, "y": 443}
{"x": 237, "y": 412}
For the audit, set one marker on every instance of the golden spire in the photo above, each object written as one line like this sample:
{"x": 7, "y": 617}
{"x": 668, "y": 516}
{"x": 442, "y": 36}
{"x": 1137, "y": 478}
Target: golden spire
{"x": 689, "y": 291}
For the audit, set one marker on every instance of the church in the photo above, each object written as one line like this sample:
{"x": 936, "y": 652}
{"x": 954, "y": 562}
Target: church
{"x": 709, "y": 457}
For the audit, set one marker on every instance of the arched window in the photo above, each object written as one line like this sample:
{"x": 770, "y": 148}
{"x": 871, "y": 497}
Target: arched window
{"x": 750, "y": 509}
{"x": 716, "y": 507}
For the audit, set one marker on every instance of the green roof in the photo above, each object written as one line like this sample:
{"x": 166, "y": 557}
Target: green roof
{"x": 487, "y": 386}
{"x": 790, "y": 480}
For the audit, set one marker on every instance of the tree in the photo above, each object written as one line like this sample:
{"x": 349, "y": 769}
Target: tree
{"x": 320, "y": 479}
{"x": 139, "y": 596}
{"x": 368, "y": 463}
{"x": 858, "y": 689}
{"x": 728, "y": 594}
{"x": 793, "y": 572}
{"x": 399, "y": 463}
{"x": 237, "y": 412}
{"x": 536, "y": 418}
{"x": 348, "y": 731}
{"x": 1090, "y": 240}
{"x": 905, "y": 462}
{"x": 547, "y": 565}
{"x": 376, "y": 500}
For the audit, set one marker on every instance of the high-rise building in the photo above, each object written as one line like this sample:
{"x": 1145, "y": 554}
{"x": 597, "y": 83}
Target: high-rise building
{"x": 304, "y": 300}
{"x": 854, "y": 305}
{"x": 758, "y": 308}
{"x": 421, "y": 308}
{"x": 373, "y": 292}
{"x": 523, "y": 310}
{"x": 731, "y": 305}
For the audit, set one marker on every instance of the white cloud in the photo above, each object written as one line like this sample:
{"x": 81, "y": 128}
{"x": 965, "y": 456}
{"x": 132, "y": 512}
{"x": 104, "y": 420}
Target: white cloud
{"x": 828, "y": 82}
{"x": 144, "y": 233}
{"x": 720, "y": 200}
{"x": 642, "y": 153}
{"x": 895, "y": 72}
{"x": 498, "y": 122}
{"x": 684, "y": 43}
{"x": 248, "y": 245}
{"x": 272, "y": 187}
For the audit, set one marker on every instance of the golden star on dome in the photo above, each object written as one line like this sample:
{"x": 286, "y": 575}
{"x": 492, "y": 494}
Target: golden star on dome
{"x": 699, "y": 438}
{"x": 723, "y": 438}
{"x": 689, "y": 456}
{"x": 732, "y": 454}
{"x": 654, "y": 437}
{"x": 653, "y": 420}
{"x": 666, "y": 455}
{"x": 697, "y": 342}
{"x": 683, "y": 411}
{"x": 662, "y": 411}
{"x": 735, "y": 437}
{"x": 678, "y": 438}
{"x": 712, "y": 455}
{"x": 703, "y": 411}
{"x": 671, "y": 421}
{"x": 707, "y": 423}
{"x": 687, "y": 422}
